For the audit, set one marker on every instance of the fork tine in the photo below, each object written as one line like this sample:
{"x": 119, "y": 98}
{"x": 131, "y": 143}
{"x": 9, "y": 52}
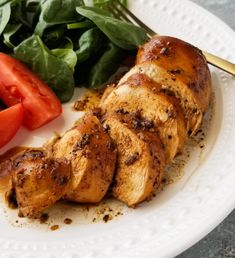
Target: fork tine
{"x": 125, "y": 11}
{"x": 118, "y": 14}
{"x": 113, "y": 11}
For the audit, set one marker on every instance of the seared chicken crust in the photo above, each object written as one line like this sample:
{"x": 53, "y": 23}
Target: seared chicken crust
{"x": 37, "y": 182}
{"x": 181, "y": 69}
{"x": 93, "y": 158}
{"x": 140, "y": 94}
{"x": 141, "y": 159}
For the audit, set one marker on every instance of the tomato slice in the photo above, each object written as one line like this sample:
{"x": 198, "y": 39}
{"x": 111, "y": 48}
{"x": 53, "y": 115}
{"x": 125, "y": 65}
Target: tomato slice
{"x": 10, "y": 121}
{"x": 19, "y": 84}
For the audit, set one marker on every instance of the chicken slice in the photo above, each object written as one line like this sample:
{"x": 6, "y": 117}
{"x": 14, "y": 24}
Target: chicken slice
{"x": 107, "y": 91}
{"x": 37, "y": 182}
{"x": 182, "y": 69}
{"x": 141, "y": 94}
{"x": 93, "y": 158}
{"x": 141, "y": 160}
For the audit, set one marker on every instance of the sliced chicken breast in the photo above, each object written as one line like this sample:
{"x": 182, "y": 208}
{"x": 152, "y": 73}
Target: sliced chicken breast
{"x": 93, "y": 158}
{"x": 107, "y": 91}
{"x": 182, "y": 69}
{"x": 142, "y": 95}
{"x": 141, "y": 159}
{"x": 37, "y": 182}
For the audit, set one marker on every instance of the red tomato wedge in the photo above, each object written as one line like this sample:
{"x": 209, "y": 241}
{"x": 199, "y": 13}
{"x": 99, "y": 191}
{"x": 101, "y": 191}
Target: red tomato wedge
{"x": 19, "y": 84}
{"x": 10, "y": 121}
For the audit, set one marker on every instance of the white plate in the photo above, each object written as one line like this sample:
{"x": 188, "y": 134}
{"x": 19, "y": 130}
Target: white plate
{"x": 185, "y": 211}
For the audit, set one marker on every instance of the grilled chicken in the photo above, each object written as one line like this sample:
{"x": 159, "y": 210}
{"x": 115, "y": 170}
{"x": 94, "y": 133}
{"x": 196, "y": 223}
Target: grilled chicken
{"x": 146, "y": 118}
{"x": 93, "y": 157}
{"x": 139, "y": 93}
{"x": 140, "y": 159}
{"x": 181, "y": 69}
{"x": 37, "y": 182}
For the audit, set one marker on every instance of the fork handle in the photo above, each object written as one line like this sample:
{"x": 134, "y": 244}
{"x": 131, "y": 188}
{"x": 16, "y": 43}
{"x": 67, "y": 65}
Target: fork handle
{"x": 220, "y": 63}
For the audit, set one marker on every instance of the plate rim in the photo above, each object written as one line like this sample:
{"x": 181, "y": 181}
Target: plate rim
{"x": 229, "y": 208}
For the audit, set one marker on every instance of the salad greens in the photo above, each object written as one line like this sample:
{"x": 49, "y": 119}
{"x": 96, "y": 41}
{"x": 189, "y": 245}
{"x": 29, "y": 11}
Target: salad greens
{"x": 67, "y": 42}
{"x": 8, "y": 34}
{"x": 106, "y": 65}
{"x": 90, "y": 42}
{"x": 54, "y": 12}
{"x": 104, "y": 3}
{"x": 54, "y": 71}
{"x": 5, "y": 14}
{"x": 121, "y": 33}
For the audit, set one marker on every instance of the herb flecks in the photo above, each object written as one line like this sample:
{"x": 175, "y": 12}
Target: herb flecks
{"x": 83, "y": 142}
{"x": 132, "y": 158}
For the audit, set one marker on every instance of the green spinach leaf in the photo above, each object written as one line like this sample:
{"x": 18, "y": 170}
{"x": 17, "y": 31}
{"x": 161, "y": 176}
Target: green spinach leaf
{"x": 4, "y": 2}
{"x": 79, "y": 25}
{"x": 66, "y": 53}
{"x": 104, "y": 3}
{"x": 10, "y": 30}
{"x": 66, "y": 43}
{"x": 5, "y": 14}
{"x": 90, "y": 42}
{"x": 123, "y": 34}
{"x": 52, "y": 70}
{"x": 32, "y": 6}
{"x": 53, "y": 35}
{"x": 106, "y": 66}
{"x": 54, "y": 12}
{"x": 19, "y": 14}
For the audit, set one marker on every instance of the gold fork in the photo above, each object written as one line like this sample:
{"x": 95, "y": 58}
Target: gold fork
{"x": 120, "y": 11}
